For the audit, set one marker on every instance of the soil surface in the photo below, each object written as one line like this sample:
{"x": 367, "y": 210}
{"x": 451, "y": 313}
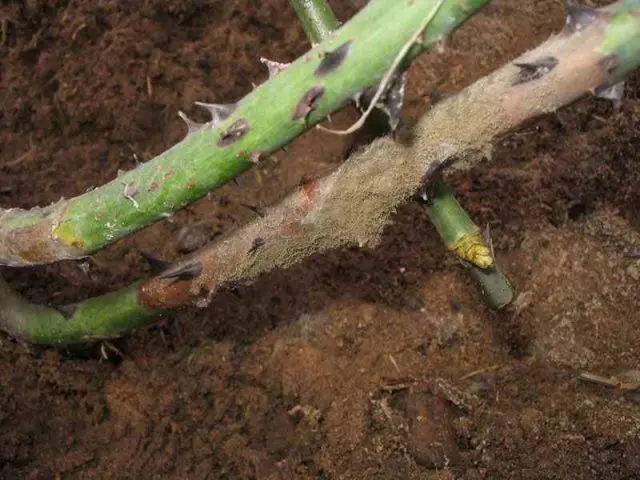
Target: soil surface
{"x": 358, "y": 364}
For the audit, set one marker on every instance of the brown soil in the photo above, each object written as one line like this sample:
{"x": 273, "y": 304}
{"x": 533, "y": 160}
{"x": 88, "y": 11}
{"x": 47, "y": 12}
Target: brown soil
{"x": 356, "y": 364}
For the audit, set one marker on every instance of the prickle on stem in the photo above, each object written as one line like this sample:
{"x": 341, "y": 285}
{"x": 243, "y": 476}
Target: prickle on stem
{"x": 218, "y": 111}
{"x": 274, "y": 67}
{"x": 192, "y": 127}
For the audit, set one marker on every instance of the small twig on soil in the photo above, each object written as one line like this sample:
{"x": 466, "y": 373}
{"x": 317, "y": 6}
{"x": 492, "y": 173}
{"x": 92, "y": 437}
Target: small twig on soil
{"x": 22, "y": 158}
{"x": 633, "y": 253}
{"x": 4, "y": 25}
{"x": 393, "y": 361}
{"x": 611, "y": 382}
{"x": 392, "y": 385}
{"x": 480, "y": 371}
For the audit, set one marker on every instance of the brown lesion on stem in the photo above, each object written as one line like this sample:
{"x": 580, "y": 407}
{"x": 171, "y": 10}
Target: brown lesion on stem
{"x": 36, "y": 243}
{"x": 308, "y": 103}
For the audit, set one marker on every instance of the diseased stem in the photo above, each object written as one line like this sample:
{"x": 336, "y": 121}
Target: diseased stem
{"x": 353, "y": 205}
{"x": 463, "y": 237}
{"x": 317, "y": 84}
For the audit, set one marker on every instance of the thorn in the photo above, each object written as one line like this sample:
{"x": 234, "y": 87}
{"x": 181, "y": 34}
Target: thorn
{"x": 487, "y": 238}
{"x": 218, "y": 111}
{"x": 192, "y": 127}
{"x": 257, "y": 243}
{"x": 186, "y": 271}
{"x": 257, "y": 210}
{"x": 156, "y": 264}
{"x": 167, "y": 216}
{"x": 274, "y": 67}
{"x": 129, "y": 192}
{"x": 613, "y": 93}
{"x": 255, "y": 157}
{"x": 108, "y": 345}
{"x": 534, "y": 70}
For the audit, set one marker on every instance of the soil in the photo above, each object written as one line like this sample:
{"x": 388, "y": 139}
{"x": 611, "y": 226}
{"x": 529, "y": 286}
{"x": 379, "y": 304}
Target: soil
{"x": 358, "y": 364}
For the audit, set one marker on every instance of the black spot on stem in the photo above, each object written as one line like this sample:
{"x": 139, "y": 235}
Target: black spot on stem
{"x": 332, "y": 60}
{"x": 234, "y": 133}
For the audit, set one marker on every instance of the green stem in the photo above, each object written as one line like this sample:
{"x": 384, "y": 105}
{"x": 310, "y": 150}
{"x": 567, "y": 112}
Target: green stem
{"x": 317, "y": 84}
{"x": 463, "y": 237}
{"x": 107, "y": 316}
{"x": 317, "y": 18}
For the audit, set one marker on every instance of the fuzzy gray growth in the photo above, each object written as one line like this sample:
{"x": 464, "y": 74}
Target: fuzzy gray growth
{"x": 332, "y": 60}
{"x": 393, "y": 101}
{"x": 219, "y": 112}
{"x": 390, "y": 102}
{"x": 534, "y": 70}
{"x": 192, "y": 127}
{"x": 613, "y": 93}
